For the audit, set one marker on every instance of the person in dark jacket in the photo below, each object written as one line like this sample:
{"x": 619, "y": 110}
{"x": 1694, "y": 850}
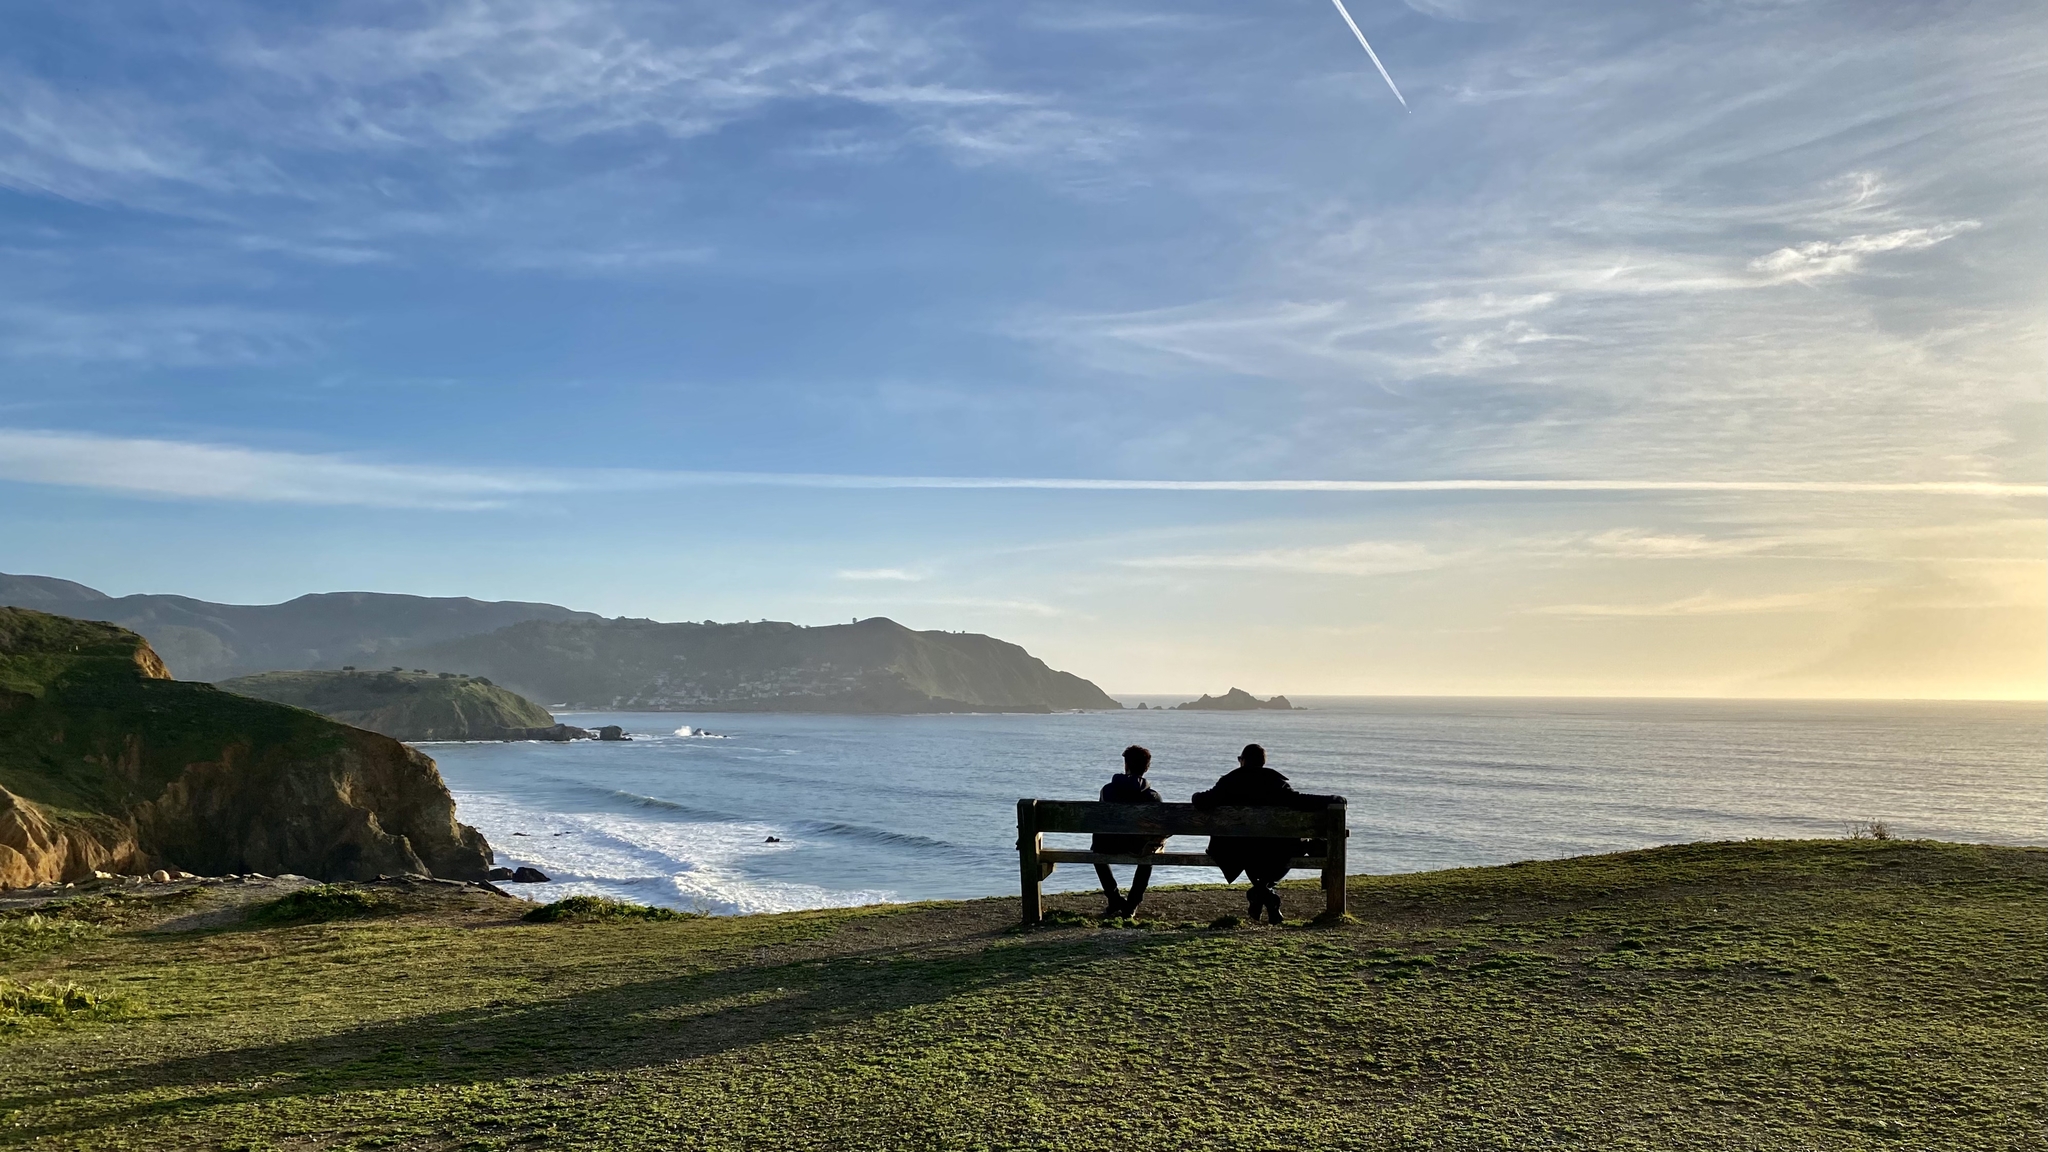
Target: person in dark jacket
{"x": 1127, "y": 787}
{"x": 1262, "y": 859}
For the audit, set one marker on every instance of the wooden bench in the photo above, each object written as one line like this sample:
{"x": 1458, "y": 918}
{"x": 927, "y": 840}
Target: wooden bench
{"x": 1035, "y": 818}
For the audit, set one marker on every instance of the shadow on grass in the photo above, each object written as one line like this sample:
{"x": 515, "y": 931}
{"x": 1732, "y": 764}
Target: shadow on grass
{"x": 604, "y": 1030}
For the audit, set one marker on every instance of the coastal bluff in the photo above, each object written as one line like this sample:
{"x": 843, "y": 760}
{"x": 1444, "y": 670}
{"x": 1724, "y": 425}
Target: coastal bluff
{"x": 870, "y": 666}
{"x": 407, "y": 705}
{"x": 108, "y": 764}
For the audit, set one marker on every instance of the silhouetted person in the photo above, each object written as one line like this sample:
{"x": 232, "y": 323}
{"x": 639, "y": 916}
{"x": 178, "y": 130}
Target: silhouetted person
{"x": 1127, "y": 787}
{"x": 1262, "y": 859}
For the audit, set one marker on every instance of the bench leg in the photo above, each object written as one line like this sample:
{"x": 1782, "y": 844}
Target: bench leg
{"x": 1334, "y": 868}
{"x": 1029, "y": 872}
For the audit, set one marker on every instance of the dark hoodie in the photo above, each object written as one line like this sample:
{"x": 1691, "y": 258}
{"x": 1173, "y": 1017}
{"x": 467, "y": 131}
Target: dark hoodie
{"x": 1263, "y": 858}
{"x": 1124, "y": 788}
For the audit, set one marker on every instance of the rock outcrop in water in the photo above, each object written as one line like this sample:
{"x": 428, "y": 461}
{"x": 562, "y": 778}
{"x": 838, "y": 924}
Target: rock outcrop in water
{"x": 1237, "y": 700}
{"x": 107, "y": 763}
{"x": 875, "y": 665}
{"x": 407, "y": 705}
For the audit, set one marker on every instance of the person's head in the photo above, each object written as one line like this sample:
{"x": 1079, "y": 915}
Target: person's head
{"x": 1253, "y": 756}
{"x": 1137, "y": 758}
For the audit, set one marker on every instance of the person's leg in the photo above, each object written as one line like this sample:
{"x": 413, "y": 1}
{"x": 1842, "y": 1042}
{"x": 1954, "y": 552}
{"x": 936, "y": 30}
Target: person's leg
{"x": 1256, "y": 899}
{"x": 1273, "y": 915}
{"x": 1109, "y": 892}
{"x": 1139, "y": 879}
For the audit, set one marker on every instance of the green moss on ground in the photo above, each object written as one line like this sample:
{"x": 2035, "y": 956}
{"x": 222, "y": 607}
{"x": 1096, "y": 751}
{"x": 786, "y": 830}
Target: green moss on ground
{"x": 1764, "y": 995}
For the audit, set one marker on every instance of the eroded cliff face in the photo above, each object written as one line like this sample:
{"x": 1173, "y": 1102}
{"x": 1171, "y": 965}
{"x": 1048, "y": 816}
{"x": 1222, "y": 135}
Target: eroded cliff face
{"x": 106, "y": 763}
{"x": 36, "y": 850}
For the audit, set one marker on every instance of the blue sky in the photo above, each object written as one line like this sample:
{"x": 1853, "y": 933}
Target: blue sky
{"x": 467, "y": 298}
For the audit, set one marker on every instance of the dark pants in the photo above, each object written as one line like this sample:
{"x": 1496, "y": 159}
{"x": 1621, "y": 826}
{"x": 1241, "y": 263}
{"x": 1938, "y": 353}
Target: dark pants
{"x": 1139, "y": 879}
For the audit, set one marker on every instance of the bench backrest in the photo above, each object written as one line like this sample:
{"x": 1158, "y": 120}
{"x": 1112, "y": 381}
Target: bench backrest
{"x": 1179, "y": 819}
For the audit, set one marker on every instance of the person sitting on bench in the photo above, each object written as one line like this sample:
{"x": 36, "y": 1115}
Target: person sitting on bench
{"x": 1127, "y": 787}
{"x": 1263, "y": 859}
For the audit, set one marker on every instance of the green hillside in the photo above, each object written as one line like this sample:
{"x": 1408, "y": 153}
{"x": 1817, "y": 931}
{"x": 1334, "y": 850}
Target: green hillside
{"x": 402, "y": 705}
{"x": 1782, "y": 996}
{"x": 108, "y": 764}
{"x": 875, "y": 665}
{"x": 202, "y": 640}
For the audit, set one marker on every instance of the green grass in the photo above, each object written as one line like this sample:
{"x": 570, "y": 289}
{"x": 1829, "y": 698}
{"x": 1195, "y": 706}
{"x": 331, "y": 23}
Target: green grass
{"x": 595, "y": 908}
{"x": 1764, "y": 995}
{"x": 317, "y": 903}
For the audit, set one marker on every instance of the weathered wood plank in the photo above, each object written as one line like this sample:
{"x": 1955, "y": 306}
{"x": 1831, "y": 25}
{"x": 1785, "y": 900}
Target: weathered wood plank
{"x": 1175, "y": 819}
{"x": 1159, "y": 859}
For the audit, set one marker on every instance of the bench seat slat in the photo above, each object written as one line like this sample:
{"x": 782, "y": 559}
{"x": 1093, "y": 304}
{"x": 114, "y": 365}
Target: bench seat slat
{"x": 1163, "y": 859}
{"x": 1175, "y": 819}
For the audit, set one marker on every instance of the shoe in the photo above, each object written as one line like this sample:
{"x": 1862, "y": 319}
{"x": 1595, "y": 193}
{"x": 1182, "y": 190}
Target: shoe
{"x": 1115, "y": 909}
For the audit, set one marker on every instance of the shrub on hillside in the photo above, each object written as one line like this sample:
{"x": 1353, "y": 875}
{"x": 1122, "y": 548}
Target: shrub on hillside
{"x": 56, "y": 1001}
{"x": 320, "y": 902}
{"x": 602, "y": 908}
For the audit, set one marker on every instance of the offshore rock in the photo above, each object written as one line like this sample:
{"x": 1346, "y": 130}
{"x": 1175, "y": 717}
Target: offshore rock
{"x": 108, "y": 765}
{"x": 1237, "y": 700}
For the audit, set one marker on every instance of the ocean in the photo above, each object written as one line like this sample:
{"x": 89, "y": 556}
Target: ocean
{"x": 754, "y": 812}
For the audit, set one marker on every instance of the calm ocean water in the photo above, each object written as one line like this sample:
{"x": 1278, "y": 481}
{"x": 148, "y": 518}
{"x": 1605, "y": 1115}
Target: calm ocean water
{"x": 876, "y": 808}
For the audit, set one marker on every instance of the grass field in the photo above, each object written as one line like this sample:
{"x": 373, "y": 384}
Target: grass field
{"x": 1762, "y": 995}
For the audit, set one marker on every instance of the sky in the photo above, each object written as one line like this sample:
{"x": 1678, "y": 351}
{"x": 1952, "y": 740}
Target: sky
{"x": 1157, "y": 337}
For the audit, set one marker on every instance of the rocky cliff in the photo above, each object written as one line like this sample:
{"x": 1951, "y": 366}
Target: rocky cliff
{"x": 201, "y": 640}
{"x": 107, "y": 763}
{"x": 875, "y": 665}
{"x": 403, "y": 705}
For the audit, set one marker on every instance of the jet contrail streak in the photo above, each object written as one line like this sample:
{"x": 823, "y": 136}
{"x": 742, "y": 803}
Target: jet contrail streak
{"x": 1344, "y": 12}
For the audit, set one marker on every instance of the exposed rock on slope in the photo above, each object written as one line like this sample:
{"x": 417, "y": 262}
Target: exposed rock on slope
{"x": 404, "y": 705}
{"x": 106, "y": 762}
{"x": 206, "y": 641}
{"x": 876, "y": 665}
{"x": 1237, "y": 700}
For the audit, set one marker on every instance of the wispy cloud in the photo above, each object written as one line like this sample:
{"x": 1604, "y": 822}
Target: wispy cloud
{"x": 1710, "y": 604}
{"x": 896, "y": 574}
{"x": 450, "y": 83}
{"x": 1818, "y": 259}
{"x": 1359, "y": 558}
{"x": 177, "y": 469}
{"x": 173, "y": 470}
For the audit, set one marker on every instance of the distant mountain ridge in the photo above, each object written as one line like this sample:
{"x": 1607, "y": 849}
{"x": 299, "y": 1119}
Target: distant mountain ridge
{"x": 874, "y": 665}
{"x": 201, "y": 640}
{"x": 577, "y": 659}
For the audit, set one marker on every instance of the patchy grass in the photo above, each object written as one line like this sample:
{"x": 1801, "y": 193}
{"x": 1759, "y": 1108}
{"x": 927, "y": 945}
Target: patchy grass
{"x": 54, "y": 1002}
{"x": 591, "y": 908}
{"x": 1855, "y": 995}
{"x": 321, "y": 902}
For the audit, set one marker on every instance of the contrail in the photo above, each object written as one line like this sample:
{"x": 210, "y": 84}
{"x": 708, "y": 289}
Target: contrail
{"x": 1092, "y": 484}
{"x": 1342, "y": 11}
{"x": 171, "y": 469}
